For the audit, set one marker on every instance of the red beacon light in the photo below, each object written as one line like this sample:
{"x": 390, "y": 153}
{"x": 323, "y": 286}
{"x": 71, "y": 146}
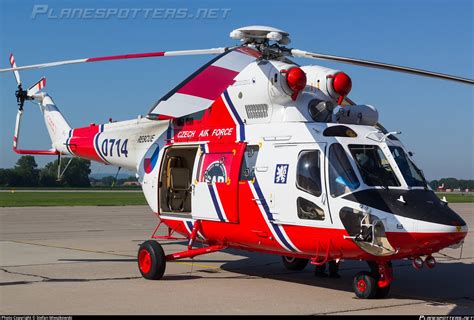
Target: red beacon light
{"x": 342, "y": 85}
{"x": 296, "y": 81}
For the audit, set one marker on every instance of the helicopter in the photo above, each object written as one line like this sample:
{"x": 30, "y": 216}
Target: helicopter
{"x": 255, "y": 152}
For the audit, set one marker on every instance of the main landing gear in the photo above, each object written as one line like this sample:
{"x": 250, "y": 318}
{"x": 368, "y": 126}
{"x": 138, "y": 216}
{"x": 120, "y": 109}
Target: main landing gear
{"x": 374, "y": 284}
{"x": 294, "y": 264}
{"x": 152, "y": 259}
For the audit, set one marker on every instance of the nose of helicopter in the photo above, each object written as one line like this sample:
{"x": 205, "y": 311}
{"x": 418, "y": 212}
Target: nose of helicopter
{"x": 435, "y": 237}
{"x": 437, "y": 229}
{"x": 424, "y": 223}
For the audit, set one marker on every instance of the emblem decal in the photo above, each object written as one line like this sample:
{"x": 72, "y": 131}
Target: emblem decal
{"x": 281, "y": 173}
{"x": 215, "y": 172}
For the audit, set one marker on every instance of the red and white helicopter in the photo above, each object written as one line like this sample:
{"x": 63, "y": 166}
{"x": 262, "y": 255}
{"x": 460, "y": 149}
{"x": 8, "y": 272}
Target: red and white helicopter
{"x": 255, "y": 152}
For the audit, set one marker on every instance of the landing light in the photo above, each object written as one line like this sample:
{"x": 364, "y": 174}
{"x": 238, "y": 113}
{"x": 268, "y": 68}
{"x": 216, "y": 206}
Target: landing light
{"x": 430, "y": 262}
{"x": 417, "y": 263}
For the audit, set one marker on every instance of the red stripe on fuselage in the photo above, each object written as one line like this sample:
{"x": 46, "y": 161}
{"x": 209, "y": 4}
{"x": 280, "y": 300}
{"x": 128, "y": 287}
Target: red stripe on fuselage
{"x": 82, "y": 142}
{"x": 252, "y": 233}
{"x": 210, "y": 83}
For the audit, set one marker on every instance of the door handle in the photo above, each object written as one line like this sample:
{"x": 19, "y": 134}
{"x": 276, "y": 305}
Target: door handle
{"x": 323, "y": 198}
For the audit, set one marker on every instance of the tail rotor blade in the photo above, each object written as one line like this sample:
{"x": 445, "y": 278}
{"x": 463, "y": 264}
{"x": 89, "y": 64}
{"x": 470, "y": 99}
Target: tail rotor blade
{"x": 15, "y": 72}
{"x": 117, "y": 57}
{"x": 379, "y": 65}
{"x": 36, "y": 87}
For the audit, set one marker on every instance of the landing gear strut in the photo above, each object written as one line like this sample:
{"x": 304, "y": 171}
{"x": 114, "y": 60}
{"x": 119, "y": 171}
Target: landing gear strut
{"x": 294, "y": 264}
{"x": 376, "y": 283}
{"x": 152, "y": 259}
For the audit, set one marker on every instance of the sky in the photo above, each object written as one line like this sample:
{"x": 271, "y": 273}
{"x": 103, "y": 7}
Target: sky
{"x": 434, "y": 116}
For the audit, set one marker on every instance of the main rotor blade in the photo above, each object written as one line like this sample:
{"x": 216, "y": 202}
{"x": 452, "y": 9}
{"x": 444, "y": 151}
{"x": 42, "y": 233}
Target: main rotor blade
{"x": 120, "y": 57}
{"x": 379, "y": 65}
{"x": 16, "y": 73}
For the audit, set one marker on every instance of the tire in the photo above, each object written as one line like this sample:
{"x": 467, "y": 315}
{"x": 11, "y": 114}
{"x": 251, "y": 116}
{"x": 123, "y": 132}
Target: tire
{"x": 151, "y": 260}
{"x": 381, "y": 292}
{"x": 294, "y": 264}
{"x": 365, "y": 285}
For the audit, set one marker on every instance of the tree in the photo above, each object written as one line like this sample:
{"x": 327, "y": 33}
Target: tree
{"x": 26, "y": 171}
{"x": 48, "y": 175}
{"x": 8, "y": 178}
{"x": 76, "y": 174}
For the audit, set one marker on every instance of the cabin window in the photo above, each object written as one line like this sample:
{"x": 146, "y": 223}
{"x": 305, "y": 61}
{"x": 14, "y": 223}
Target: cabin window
{"x": 373, "y": 166}
{"x": 249, "y": 161}
{"x": 308, "y": 210}
{"x": 308, "y": 175}
{"x": 342, "y": 178}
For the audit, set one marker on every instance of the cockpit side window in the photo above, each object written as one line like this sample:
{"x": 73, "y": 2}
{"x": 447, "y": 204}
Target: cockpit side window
{"x": 308, "y": 175}
{"x": 413, "y": 176}
{"x": 374, "y": 166}
{"x": 342, "y": 178}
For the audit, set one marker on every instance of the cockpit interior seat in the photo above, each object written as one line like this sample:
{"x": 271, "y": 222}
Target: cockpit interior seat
{"x": 179, "y": 188}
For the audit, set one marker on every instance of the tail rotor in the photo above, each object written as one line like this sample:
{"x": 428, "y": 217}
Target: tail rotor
{"x": 21, "y": 94}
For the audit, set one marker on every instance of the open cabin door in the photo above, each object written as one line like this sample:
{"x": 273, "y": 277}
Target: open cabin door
{"x": 216, "y": 178}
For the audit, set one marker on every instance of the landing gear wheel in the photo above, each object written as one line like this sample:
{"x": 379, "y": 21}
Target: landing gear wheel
{"x": 365, "y": 285}
{"x": 151, "y": 260}
{"x": 294, "y": 264}
{"x": 381, "y": 292}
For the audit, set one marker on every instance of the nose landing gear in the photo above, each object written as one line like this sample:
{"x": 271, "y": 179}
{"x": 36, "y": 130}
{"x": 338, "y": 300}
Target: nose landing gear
{"x": 374, "y": 284}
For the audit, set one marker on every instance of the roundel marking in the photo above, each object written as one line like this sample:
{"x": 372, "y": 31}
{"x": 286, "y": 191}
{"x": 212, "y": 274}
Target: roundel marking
{"x": 150, "y": 161}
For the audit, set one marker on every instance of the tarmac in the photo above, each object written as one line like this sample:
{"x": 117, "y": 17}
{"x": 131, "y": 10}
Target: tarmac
{"x": 82, "y": 260}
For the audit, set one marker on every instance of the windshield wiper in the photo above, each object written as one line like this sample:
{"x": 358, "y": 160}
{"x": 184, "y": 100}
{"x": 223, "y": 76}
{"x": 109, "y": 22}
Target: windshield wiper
{"x": 420, "y": 173}
{"x": 425, "y": 183}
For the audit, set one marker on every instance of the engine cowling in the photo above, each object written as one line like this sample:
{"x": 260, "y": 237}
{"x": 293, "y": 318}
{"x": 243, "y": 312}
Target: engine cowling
{"x": 356, "y": 114}
{"x": 334, "y": 83}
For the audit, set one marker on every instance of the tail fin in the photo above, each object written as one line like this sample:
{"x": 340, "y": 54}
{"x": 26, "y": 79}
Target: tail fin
{"x": 58, "y": 127}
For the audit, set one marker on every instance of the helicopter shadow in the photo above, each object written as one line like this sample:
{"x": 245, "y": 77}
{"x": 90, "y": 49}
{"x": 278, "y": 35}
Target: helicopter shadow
{"x": 446, "y": 284}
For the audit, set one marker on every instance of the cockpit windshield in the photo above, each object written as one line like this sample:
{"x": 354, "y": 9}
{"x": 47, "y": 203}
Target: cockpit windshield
{"x": 412, "y": 175}
{"x": 373, "y": 166}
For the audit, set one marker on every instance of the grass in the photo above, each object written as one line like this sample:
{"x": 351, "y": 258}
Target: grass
{"x": 112, "y": 198}
{"x": 457, "y": 197}
{"x": 32, "y": 199}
